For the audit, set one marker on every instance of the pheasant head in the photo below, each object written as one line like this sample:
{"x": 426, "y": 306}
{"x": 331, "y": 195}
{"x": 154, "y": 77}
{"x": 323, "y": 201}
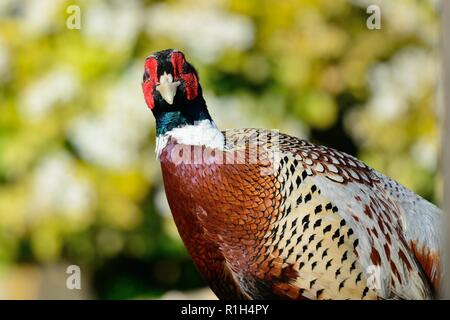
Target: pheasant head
{"x": 169, "y": 81}
{"x": 172, "y": 91}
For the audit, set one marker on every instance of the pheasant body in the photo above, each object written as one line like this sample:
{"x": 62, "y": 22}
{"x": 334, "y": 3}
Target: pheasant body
{"x": 309, "y": 223}
{"x": 289, "y": 235}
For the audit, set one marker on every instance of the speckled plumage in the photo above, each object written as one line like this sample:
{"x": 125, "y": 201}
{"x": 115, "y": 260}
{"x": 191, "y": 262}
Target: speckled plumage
{"x": 274, "y": 216}
{"x": 315, "y": 230}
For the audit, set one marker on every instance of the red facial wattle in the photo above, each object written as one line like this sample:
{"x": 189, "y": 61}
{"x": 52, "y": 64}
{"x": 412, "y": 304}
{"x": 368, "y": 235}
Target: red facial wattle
{"x": 190, "y": 79}
{"x": 151, "y": 66}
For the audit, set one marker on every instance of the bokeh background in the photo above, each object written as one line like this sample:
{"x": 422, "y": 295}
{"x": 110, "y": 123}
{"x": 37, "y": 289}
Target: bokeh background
{"x": 79, "y": 181}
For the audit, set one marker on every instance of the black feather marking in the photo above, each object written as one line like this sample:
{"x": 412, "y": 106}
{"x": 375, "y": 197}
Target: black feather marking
{"x": 358, "y": 277}
{"x": 328, "y": 264}
{"x": 294, "y": 223}
{"x": 292, "y": 168}
{"x": 366, "y": 290}
{"x": 275, "y": 246}
{"x": 336, "y": 234}
{"x": 319, "y": 245}
{"x": 338, "y": 272}
{"x": 305, "y": 219}
{"x": 344, "y": 257}
{"x": 290, "y": 251}
{"x": 341, "y": 285}
{"x": 304, "y": 175}
{"x": 288, "y": 210}
{"x": 283, "y": 228}
{"x": 275, "y": 230}
{"x": 317, "y": 223}
{"x": 341, "y": 241}
{"x": 308, "y": 197}
{"x": 318, "y": 209}
{"x": 305, "y": 226}
{"x": 319, "y": 293}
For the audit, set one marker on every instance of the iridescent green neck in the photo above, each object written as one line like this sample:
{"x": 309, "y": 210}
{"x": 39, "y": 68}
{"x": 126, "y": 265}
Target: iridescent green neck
{"x": 168, "y": 120}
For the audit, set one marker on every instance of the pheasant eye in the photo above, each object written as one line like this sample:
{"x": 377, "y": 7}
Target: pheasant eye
{"x": 187, "y": 68}
{"x": 146, "y": 76}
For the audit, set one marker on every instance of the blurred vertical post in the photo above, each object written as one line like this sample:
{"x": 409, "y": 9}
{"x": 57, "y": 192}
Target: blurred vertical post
{"x": 445, "y": 85}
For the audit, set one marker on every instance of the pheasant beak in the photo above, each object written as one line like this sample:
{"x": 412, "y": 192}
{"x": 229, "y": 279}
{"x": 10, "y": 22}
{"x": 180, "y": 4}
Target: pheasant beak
{"x": 167, "y": 88}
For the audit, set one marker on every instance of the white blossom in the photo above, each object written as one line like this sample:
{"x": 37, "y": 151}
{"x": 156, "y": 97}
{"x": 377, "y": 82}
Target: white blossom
{"x": 203, "y": 31}
{"x": 57, "y": 188}
{"x": 395, "y": 84}
{"x": 114, "y": 25}
{"x": 113, "y": 137}
{"x": 40, "y": 97}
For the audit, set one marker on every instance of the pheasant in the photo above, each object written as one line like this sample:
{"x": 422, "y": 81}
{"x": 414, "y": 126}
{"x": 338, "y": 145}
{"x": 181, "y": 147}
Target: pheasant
{"x": 265, "y": 215}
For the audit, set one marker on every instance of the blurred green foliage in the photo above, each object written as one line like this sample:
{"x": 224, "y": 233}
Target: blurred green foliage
{"x": 79, "y": 181}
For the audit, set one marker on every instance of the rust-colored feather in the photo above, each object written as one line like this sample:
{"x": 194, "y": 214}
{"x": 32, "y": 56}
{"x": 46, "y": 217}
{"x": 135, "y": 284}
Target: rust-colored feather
{"x": 314, "y": 229}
